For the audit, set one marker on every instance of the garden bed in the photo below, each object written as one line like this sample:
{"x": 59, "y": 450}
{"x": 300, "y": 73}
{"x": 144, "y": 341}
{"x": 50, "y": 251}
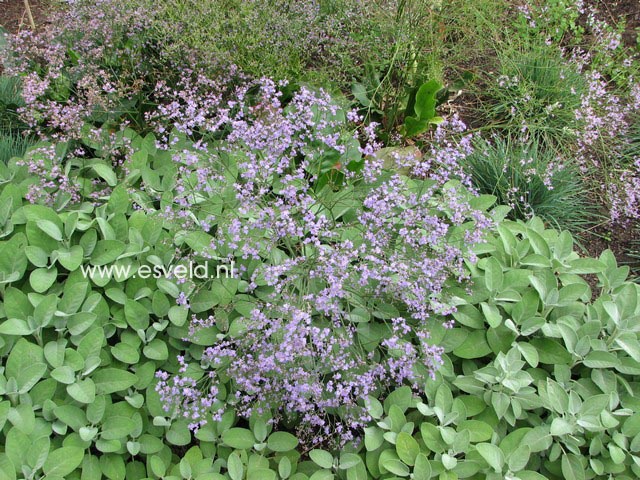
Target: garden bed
{"x": 269, "y": 240}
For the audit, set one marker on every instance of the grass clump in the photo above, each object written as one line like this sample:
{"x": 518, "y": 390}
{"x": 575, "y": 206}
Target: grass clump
{"x": 530, "y": 180}
{"x": 535, "y": 91}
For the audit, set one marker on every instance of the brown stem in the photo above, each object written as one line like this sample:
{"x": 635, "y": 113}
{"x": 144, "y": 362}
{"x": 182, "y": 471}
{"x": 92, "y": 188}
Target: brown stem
{"x": 27, "y": 7}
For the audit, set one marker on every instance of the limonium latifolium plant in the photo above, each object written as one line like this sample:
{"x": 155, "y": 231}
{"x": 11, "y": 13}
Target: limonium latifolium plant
{"x": 342, "y": 263}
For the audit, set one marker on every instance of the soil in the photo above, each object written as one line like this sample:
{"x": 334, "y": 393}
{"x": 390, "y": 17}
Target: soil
{"x": 13, "y": 14}
{"x": 615, "y": 11}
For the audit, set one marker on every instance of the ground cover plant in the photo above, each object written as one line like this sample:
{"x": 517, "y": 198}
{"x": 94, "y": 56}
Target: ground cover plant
{"x": 319, "y": 240}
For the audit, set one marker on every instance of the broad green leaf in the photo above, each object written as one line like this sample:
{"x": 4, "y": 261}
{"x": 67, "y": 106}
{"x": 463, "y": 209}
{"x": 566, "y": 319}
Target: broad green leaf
{"x": 42, "y": 278}
{"x": 71, "y": 258}
{"x": 422, "y": 469}
{"x": 111, "y": 380}
{"x": 321, "y": 458}
{"x": 117, "y": 427}
{"x": 105, "y": 172}
{"x": 478, "y": 431}
{"x": 407, "y": 448}
{"x": 107, "y": 251}
{"x": 239, "y": 438}
{"x": 83, "y": 391}
{"x": 550, "y": 351}
{"x": 63, "y": 461}
{"x": 235, "y": 467}
{"x": 50, "y": 228}
{"x": 572, "y": 468}
{"x": 492, "y": 454}
{"x": 281, "y": 442}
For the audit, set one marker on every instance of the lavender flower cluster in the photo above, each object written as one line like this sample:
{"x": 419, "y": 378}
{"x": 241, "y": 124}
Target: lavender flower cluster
{"x": 331, "y": 265}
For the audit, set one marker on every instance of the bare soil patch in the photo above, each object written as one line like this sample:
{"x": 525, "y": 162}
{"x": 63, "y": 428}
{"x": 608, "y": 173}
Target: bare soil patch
{"x": 13, "y": 14}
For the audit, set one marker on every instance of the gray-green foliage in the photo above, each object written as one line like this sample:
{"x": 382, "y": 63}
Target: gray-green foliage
{"x": 539, "y": 381}
{"x": 79, "y": 352}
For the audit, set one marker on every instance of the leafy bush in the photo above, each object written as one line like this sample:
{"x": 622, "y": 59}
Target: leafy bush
{"x": 531, "y": 180}
{"x": 539, "y": 381}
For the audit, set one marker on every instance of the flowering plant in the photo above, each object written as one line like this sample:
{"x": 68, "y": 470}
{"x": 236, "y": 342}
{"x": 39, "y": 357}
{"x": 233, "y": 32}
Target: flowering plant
{"x": 342, "y": 263}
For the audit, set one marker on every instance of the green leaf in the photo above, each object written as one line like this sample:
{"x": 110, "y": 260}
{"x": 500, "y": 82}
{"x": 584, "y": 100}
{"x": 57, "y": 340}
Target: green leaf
{"x": 117, "y": 427}
{"x": 401, "y": 397}
{"x": 111, "y": 380}
{"x": 42, "y": 278}
{"x": 23, "y": 418}
{"x": 584, "y": 266}
{"x": 373, "y": 438}
{"x": 425, "y": 106}
{"x": 491, "y": 314}
{"x": 63, "y": 461}
{"x": 125, "y": 353}
{"x": 392, "y": 464}
{"x": 37, "y": 256}
{"x": 474, "y": 346}
{"x": 158, "y": 467}
{"x": 50, "y": 229}
{"x": 422, "y": 469}
{"x": 22, "y": 357}
{"x": 629, "y": 343}
{"x": 281, "y": 442}
{"x": 239, "y": 438}
{"x": 106, "y": 173}
{"x": 321, "y": 458}
{"x": 38, "y": 452}
{"x": 107, "y": 251}
{"x": 284, "y": 467}
{"x": 478, "y": 431}
{"x": 550, "y": 351}
{"x": 360, "y": 93}
{"x": 136, "y": 314}
{"x": 560, "y": 426}
{"x": 492, "y": 454}
{"x": 349, "y": 460}
{"x": 14, "y": 326}
{"x": 407, "y": 448}
{"x": 600, "y": 359}
{"x": 156, "y": 350}
{"x": 83, "y": 391}
{"x": 572, "y": 468}
{"x": 91, "y": 468}
{"x": 235, "y": 467}
{"x": 414, "y": 126}
{"x": 71, "y": 259}
{"x": 493, "y": 277}
{"x": 64, "y": 374}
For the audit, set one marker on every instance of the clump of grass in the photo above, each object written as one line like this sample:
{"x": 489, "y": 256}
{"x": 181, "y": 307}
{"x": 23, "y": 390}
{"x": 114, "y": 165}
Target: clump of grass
{"x": 10, "y": 101}
{"x": 535, "y": 91}
{"x": 528, "y": 177}
{"x": 13, "y": 145}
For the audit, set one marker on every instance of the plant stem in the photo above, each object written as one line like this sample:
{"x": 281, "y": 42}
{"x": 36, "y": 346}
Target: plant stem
{"x": 27, "y": 7}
